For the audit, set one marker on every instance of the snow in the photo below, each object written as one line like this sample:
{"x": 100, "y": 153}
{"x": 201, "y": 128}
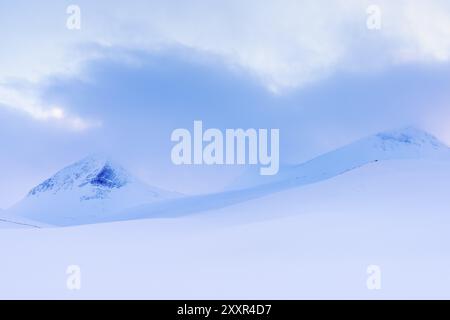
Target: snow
{"x": 407, "y": 143}
{"x": 96, "y": 189}
{"x": 311, "y": 233}
{"x": 310, "y": 242}
{"x": 8, "y": 224}
{"x": 93, "y": 187}
{"x": 7, "y": 221}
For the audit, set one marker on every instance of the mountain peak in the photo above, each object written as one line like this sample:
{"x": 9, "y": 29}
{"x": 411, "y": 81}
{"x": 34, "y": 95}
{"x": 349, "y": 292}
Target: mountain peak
{"x": 89, "y": 190}
{"x": 95, "y": 170}
{"x": 405, "y": 143}
{"x": 410, "y": 136}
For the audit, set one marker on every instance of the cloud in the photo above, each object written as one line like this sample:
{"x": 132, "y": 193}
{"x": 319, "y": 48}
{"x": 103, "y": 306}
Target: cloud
{"x": 422, "y": 31}
{"x": 31, "y": 106}
{"x": 284, "y": 43}
{"x": 289, "y": 44}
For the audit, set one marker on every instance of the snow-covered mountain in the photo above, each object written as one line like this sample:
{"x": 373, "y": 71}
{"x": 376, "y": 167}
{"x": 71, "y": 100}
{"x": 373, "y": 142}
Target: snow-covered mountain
{"x": 316, "y": 241}
{"x": 313, "y": 241}
{"x": 90, "y": 188}
{"x": 97, "y": 190}
{"x": 406, "y": 143}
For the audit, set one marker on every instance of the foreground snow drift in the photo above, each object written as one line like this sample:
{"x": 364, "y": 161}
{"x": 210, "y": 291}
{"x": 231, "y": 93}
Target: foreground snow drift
{"x": 310, "y": 242}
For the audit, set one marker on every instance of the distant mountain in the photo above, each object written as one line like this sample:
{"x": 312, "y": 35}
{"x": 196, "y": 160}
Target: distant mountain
{"x": 406, "y": 143}
{"x": 97, "y": 190}
{"x": 93, "y": 187}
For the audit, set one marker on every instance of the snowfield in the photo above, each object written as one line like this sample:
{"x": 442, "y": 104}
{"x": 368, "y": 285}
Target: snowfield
{"x": 312, "y": 235}
{"x": 309, "y": 242}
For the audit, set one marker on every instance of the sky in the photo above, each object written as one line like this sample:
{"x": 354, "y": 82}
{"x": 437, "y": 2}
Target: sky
{"x": 137, "y": 70}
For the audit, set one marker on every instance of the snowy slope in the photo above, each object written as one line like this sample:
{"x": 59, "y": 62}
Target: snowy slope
{"x": 96, "y": 190}
{"x": 7, "y": 221}
{"x": 409, "y": 143}
{"x": 92, "y": 187}
{"x": 311, "y": 242}
{"x": 406, "y": 143}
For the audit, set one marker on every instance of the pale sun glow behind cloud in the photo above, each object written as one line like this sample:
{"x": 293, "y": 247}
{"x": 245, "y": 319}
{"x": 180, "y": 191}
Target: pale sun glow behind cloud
{"x": 31, "y": 106}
